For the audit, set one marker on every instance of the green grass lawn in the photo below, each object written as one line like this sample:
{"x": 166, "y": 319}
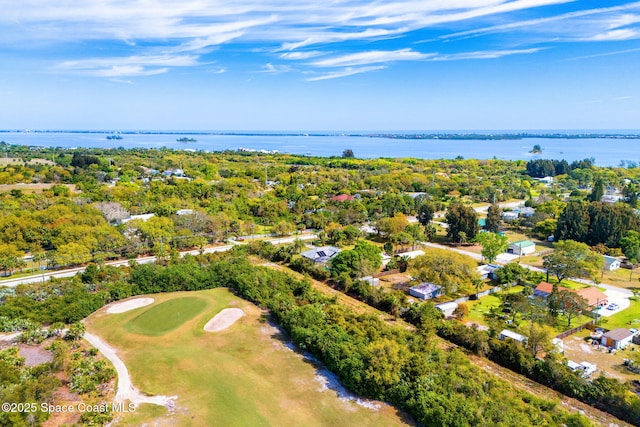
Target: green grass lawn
{"x": 166, "y": 317}
{"x": 483, "y": 305}
{"x": 242, "y": 376}
{"x": 628, "y": 318}
{"x": 478, "y": 308}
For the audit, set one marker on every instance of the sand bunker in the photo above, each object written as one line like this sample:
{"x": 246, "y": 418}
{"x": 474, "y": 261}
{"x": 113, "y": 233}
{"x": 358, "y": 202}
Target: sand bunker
{"x": 132, "y": 304}
{"x": 223, "y": 320}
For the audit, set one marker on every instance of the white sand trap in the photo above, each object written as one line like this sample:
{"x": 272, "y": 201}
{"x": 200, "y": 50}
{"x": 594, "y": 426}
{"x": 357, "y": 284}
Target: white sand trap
{"x": 132, "y": 304}
{"x": 223, "y": 320}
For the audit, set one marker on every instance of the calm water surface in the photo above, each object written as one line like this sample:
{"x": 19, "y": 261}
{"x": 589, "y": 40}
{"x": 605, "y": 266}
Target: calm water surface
{"x": 606, "y": 151}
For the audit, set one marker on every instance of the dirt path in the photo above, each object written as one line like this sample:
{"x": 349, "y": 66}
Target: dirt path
{"x": 126, "y": 390}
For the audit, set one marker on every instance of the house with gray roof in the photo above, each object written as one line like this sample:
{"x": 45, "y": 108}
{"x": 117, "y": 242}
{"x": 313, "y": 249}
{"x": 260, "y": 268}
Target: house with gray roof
{"x": 321, "y": 254}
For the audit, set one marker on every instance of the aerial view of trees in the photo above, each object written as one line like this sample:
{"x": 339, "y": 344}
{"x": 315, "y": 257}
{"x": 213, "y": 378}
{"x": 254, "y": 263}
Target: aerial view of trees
{"x": 91, "y": 206}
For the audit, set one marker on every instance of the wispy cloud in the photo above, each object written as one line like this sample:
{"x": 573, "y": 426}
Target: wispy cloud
{"x": 271, "y": 68}
{"x": 293, "y": 30}
{"x": 487, "y": 54}
{"x": 371, "y": 57}
{"x": 132, "y": 66}
{"x": 348, "y": 71}
{"x": 613, "y": 35}
{"x": 301, "y": 54}
{"x": 608, "y": 18}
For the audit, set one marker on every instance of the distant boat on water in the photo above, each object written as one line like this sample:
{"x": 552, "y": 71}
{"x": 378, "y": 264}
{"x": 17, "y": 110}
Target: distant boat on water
{"x": 114, "y": 137}
{"x": 185, "y": 139}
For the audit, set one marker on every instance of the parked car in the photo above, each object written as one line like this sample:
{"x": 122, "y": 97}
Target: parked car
{"x": 613, "y": 306}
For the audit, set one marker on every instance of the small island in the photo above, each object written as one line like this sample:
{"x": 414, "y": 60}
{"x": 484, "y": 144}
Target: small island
{"x": 114, "y": 137}
{"x": 537, "y": 149}
{"x": 185, "y": 139}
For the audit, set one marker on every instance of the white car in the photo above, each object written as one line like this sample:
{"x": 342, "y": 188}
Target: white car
{"x": 613, "y": 306}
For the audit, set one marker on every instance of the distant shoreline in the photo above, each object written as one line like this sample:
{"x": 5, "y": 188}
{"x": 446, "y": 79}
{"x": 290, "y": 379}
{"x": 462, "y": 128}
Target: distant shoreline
{"x": 399, "y": 135}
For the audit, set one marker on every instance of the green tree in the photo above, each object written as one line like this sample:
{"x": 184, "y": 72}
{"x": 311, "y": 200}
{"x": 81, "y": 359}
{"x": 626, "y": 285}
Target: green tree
{"x": 572, "y": 259}
{"x": 348, "y": 153}
{"x": 598, "y": 191}
{"x": 493, "y": 218}
{"x": 512, "y": 274}
{"x": 284, "y": 228}
{"x": 453, "y": 271}
{"x": 630, "y": 245}
{"x": 539, "y": 338}
{"x": 364, "y": 259}
{"x": 573, "y": 223}
{"x": 461, "y": 219}
{"x": 545, "y": 228}
{"x": 425, "y": 211}
{"x": 493, "y": 244}
{"x": 571, "y": 305}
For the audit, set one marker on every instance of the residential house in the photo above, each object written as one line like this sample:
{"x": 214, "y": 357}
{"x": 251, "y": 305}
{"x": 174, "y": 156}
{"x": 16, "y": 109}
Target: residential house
{"x": 617, "y": 338}
{"x": 142, "y": 217}
{"x": 526, "y": 211}
{"x": 447, "y": 308}
{"x": 509, "y": 216}
{"x": 425, "y": 291}
{"x": 411, "y": 254}
{"x": 522, "y": 247}
{"x": 342, "y": 198}
{"x": 594, "y": 296}
{"x": 487, "y": 271}
{"x": 507, "y": 334}
{"x": 611, "y": 263}
{"x": 321, "y": 254}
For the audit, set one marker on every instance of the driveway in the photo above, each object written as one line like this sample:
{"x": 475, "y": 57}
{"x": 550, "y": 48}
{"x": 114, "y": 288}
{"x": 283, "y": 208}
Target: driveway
{"x": 614, "y": 297}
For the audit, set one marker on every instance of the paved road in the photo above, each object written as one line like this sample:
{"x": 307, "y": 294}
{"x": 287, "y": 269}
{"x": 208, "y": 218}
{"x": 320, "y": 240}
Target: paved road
{"x": 142, "y": 260}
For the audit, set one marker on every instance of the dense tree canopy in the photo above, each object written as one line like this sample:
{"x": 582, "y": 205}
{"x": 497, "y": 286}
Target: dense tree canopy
{"x": 462, "y": 221}
{"x": 572, "y": 259}
{"x": 454, "y": 271}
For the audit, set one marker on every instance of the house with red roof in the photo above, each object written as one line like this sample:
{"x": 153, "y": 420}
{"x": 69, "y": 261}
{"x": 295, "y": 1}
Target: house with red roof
{"x": 342, "y": 198}
{"x": 594, "y": 296}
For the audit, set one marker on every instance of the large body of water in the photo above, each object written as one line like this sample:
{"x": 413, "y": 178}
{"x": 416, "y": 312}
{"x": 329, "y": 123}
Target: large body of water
{"x": 605, "y": 151}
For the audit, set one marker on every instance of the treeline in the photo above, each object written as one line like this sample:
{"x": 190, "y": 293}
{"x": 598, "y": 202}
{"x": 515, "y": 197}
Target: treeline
{"x": 372, "y": 358}
{"x": 539, "y": 168}
{"x": 605, "y": 393}
{"x": 596, "y": 222}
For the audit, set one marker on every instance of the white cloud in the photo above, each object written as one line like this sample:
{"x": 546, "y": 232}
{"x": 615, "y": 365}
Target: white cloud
{"x": 349, "y": 71}
{"x": 288, "y": 29}
{"x": 581, "y": 23}
{"x": 371, "y": 57}
{"x": 301, "y": 55}
{"x": 270, "y": 68}
{"x": 487, "y": 54}
{"x": 132, "y": 66}
{"x": 621, "y": 34}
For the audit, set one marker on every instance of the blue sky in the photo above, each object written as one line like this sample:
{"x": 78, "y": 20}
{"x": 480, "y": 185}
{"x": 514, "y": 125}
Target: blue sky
{"x": 313, "y": 65}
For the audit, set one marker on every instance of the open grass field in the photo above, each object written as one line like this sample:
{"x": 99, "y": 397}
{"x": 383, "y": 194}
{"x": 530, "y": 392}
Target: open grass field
{"x": 243, "y": 376}
{"x": 33, "y": 188}
{"x": 166, "y": 316}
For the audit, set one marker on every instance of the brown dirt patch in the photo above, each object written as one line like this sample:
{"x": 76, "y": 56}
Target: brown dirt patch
{"x": 35, "y": 354}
